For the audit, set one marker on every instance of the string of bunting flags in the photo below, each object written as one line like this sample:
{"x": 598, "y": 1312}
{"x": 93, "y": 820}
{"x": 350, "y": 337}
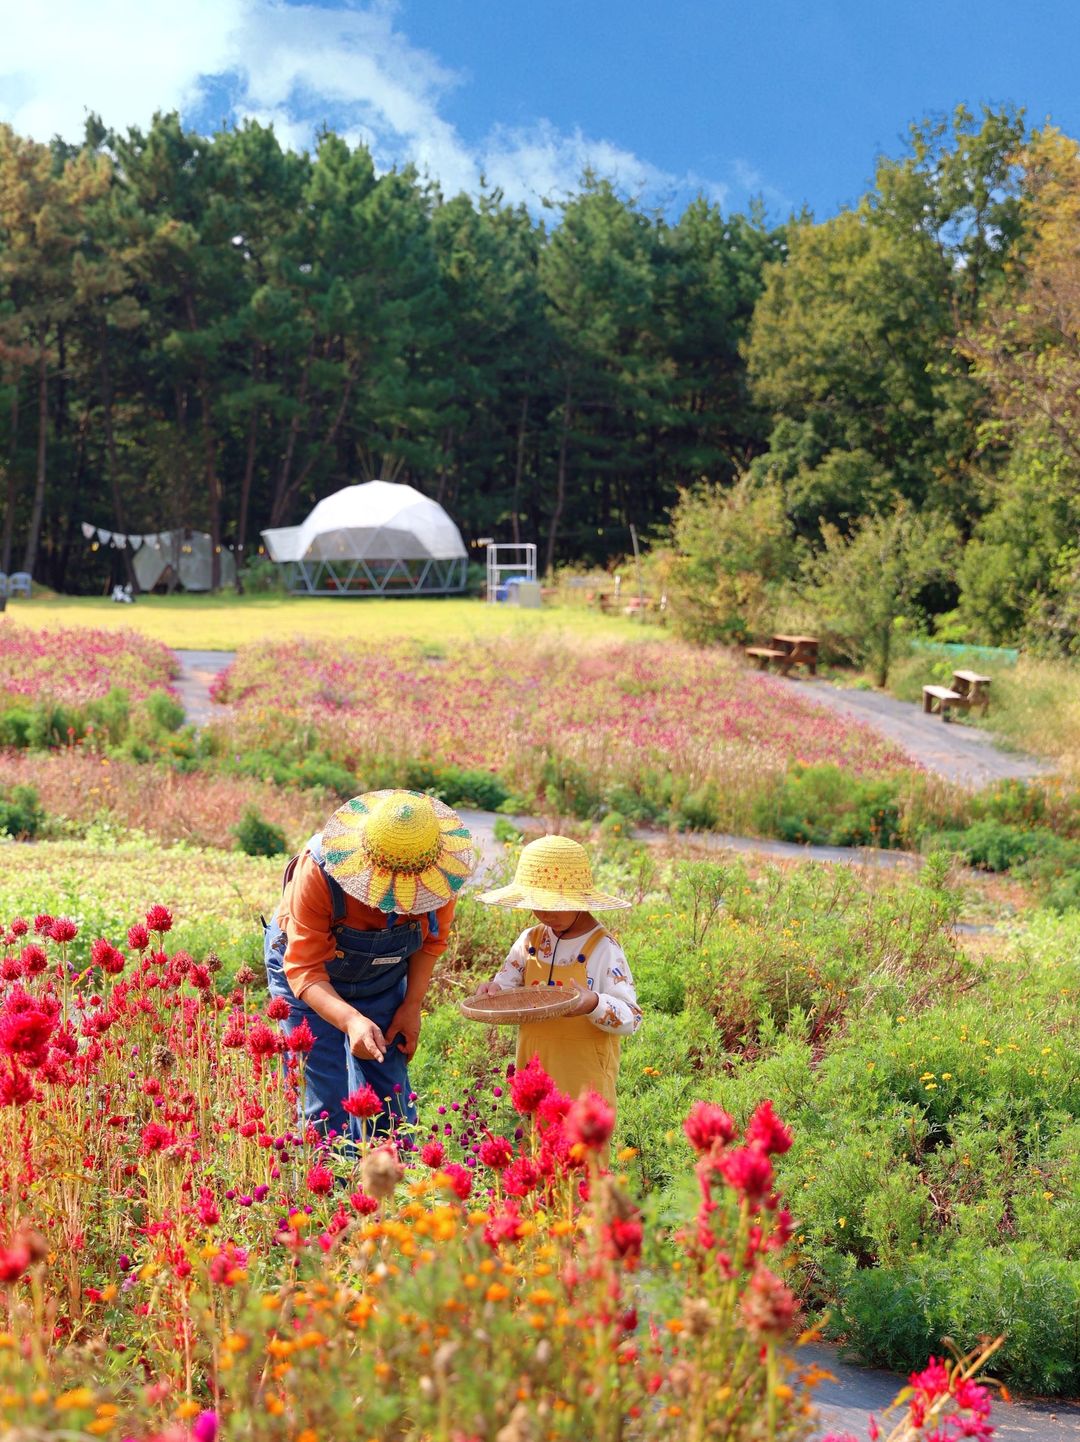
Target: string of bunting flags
{"x": 117, "y": 540}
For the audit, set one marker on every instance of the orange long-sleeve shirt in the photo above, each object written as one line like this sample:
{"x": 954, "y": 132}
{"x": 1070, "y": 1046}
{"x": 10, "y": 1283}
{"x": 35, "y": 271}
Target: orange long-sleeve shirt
{"x": 305, "y": 915}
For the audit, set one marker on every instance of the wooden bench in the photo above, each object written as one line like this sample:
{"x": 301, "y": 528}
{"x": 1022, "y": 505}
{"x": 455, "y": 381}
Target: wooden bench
{"x": 938, "y": 699}
{"x": 973, "y": 689}
{"x": 762, "y": 655}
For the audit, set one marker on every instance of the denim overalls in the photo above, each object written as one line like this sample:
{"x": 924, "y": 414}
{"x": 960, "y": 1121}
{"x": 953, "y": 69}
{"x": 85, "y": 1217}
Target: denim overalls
{"x": 369, "y": 969}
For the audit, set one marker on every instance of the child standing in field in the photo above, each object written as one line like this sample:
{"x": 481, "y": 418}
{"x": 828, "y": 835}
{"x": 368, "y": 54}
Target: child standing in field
{"x": 568, "y": 947}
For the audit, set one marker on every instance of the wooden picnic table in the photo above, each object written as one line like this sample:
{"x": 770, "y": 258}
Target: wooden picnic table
{"x": 973, "y": 689}
{"x": 797, "y": 651}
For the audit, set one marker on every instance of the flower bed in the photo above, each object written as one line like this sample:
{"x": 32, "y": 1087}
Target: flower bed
{"x": 79, "y": 665}
{"x": 487, "y": 1279}
{"x": 647, "y": 728}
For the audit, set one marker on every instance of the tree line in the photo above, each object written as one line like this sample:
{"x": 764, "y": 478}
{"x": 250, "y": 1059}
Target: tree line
{"x": 214, "y": 331}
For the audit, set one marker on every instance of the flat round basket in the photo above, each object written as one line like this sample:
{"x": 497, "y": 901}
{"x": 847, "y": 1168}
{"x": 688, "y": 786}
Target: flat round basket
{"x": 508, "y": 1008}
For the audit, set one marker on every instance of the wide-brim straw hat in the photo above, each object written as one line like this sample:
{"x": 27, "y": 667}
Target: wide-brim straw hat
{"x": 400, "y": 851}
{"x": 553, "y": 874}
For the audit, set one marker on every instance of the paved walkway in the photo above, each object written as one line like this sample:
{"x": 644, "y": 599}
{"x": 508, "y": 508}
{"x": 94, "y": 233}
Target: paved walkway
{"x": 197, "y": 671}
{"x": 846, "y": 1405}
{"x": 963, "y": 754}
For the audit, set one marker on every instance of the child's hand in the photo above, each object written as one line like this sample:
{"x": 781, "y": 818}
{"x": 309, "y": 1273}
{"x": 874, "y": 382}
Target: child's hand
{"x": 587, "y": 1001}
{"x": 487, "y": 988}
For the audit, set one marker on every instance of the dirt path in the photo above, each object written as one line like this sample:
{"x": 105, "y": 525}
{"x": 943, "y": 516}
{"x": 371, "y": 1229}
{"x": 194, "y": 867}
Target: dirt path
{"x": 960, "y": 753}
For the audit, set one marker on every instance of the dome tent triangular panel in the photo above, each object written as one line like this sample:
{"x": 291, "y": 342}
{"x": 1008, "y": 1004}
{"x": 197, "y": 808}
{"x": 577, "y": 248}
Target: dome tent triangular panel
{"x": 376, "y": 538}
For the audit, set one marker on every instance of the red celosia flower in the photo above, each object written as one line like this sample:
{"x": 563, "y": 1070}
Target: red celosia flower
{"x": 520, "y": 1177}
{"x": 11, "y": 968}
{"x": 16, "y": 1088}
{"x": 26, "y": 1025}
{"x": 63, "y": 929}
{"x": 155, "y": 1138}
{"x": 932, "y": 1381}
{"x": 19, "y": 927}
{"x": 264, "y": 1041}
{"x": 207, "y": 1208}
{"x": 14, "y": 1261}
{"x": 590, "y": 1121}
{"x": 138, "y": 937}
{"x": 766, "y": 1130}
{"x": 553, "y": 1109}
{"x": 529, "y": 1087}
{"x": 768, "y": 1306}
{"x": 301, "y": 1039}
{"x": 748, "y": 1170}
{"x": 363, "y": 1102}
{"x": 460, "y": 1180}
{"x": 159, "y": 919}
{"x": 708, "y": 1124}
{"x": 278, "y": 1008}
{"x": 433, "y": 1154}
{"x": 105, "y": 955}
{"x": 228, "y": 1261}
{"x": 34, "y": 959}
{"x": 200, "y": 978}
{"x": 625, "y": 1234}
{"x": 496, "y": 1153}
{"x": 504, "y": 1226}
{"x": 320, "y": 1180}
{"x": 42, "y": 922}
{"x": 364, "y": 1204}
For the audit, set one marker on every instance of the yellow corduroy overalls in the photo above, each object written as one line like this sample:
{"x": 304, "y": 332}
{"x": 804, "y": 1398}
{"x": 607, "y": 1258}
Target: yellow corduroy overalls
{"x": 575, "y": 1053}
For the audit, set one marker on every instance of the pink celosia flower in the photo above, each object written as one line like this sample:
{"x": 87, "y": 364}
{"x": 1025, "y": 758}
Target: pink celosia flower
{"x": 63, "y": 929}
{"x": 768, "y": 1306}
{"x": 278, "y": 1008}
{"x": 301, "y": 1039}
{"x": 138, "y": 937}
{"x": 460, "y": 1179}
{"x": 433, "y": 1154}
{"x": 105, "y": 955}
{"x": 747, "y": 1170}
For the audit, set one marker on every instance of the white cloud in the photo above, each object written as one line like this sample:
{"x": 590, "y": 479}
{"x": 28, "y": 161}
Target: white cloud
{"x": 297, "y": 67}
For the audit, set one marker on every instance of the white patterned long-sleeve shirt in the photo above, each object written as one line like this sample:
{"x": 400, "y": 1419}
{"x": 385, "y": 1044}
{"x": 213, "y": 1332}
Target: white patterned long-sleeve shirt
{"x": 607, "y": 971}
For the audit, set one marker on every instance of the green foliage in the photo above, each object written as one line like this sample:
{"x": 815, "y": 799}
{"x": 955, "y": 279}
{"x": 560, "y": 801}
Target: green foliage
{"x": 21, "y": 815}
{"x": 165, "y": 713}
{"x": 867, "y": 586}
{"x": 732, "y": 550}
{"x": 257, "y": 837}
{"x": 828, "y": 806}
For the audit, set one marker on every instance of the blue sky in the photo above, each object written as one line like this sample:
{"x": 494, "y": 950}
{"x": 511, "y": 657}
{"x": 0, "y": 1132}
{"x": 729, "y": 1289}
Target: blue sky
{"x": 787, "y": 99}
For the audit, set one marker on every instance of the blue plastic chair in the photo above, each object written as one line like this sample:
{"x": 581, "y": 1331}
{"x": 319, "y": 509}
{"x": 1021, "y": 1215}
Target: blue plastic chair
{"x": 19, "y": 583}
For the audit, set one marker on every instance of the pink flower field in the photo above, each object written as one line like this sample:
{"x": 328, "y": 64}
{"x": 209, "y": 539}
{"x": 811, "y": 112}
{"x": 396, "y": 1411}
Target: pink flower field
{"x": 630, "y": 713}
{"x": 81, "y": 665}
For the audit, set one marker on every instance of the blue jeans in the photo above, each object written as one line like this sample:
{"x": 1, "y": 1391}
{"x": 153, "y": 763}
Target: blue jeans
{"x": 365, "y": 960}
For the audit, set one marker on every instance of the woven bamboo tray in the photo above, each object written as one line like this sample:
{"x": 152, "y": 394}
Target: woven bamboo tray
{"x": 508, "y": 1008}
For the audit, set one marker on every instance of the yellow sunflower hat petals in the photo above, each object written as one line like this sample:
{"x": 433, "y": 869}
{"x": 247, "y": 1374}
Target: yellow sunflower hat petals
{"x": 553, "y": 874}
{"x": 400, "y": 851}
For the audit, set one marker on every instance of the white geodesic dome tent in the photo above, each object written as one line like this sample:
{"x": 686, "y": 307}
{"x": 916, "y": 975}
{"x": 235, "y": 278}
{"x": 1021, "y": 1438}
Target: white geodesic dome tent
{"x": 379, "y": 538}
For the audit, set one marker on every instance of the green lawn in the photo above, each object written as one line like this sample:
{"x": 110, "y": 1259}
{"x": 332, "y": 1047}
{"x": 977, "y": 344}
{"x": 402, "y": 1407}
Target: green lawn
{"x": 221, "y": 623}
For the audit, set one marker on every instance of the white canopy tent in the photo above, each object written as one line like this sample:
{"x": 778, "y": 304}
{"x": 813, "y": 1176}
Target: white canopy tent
{"x": 188, "y": 554}
{"x": 379, "y": 538}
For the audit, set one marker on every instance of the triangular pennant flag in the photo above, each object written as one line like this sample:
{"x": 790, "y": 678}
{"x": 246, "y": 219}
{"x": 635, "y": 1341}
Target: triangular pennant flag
{"x": 119, "y": 540}
{"x": 88, "y": 530}
{"x": 104, "y": 536}
{"x": 135, "y": 542}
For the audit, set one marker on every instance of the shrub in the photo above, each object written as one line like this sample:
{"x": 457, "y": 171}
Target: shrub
{"x": 165, "y": 711}
{"x": 827, "y": 806}
{"x": 258, "y": 837}
{"x": 21, "y": 815}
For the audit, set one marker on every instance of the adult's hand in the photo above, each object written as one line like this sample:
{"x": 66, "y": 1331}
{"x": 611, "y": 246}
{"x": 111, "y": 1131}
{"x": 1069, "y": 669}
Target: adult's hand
{"x": 365, "y": 1039}
{"x": 405, "y": 1022}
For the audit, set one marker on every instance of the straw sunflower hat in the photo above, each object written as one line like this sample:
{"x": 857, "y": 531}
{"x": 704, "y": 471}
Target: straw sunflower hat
{"x": 400, "y": 851}
{"x": 553, "y": 874}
